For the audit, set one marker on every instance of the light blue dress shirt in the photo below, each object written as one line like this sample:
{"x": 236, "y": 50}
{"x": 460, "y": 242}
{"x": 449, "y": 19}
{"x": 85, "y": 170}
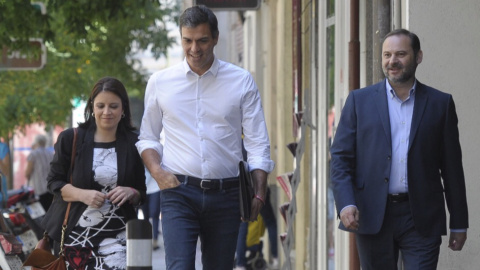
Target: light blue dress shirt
{"x": 400, "y": 113}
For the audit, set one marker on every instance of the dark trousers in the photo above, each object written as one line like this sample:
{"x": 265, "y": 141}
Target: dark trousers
{"x": 151, "y": 209}
{"x": 241, "y": 259}
{"x": 189, "y": 213}
{"x": 270, "y": 223}
{"x": 381, "y": 251}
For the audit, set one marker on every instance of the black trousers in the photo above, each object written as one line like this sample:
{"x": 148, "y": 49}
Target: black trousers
{"x": 381, "y": 251}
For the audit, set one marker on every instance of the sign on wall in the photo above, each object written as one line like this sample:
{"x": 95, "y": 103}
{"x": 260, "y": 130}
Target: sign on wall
{"x": 229, "y": 4}
{"x": 15, "y": 60}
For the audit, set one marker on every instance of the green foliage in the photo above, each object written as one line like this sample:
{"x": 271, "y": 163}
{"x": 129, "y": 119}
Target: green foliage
{"x": 20, "y": 21}
{"x": 85, "y": 40}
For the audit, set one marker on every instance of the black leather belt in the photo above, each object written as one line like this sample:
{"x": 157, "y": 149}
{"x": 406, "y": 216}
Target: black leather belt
{"x": 215, "y": 184}
{"x": 397, "y": 198}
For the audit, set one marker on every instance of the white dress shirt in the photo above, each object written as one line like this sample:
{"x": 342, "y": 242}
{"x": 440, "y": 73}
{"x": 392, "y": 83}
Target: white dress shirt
{"x": 203, "y": 118}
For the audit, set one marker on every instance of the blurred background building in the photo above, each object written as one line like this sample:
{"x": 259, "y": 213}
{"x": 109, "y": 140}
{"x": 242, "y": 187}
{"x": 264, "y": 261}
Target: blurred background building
{"x": 306, "y": 55}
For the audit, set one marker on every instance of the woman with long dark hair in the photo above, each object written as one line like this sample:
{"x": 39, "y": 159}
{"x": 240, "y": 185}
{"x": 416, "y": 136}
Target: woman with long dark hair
{"x": 108, "y": 182}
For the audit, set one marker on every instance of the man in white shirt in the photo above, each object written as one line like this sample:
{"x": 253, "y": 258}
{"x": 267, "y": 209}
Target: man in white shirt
{"x": 203, "y": 105}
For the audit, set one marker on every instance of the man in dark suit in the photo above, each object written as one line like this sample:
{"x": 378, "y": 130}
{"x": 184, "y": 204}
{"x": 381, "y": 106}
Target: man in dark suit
{"x": 395, "y": 142}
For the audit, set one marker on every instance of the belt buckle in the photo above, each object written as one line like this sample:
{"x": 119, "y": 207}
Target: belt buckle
{"x": 397, "y": 197}
{"x": 206, "y": 181}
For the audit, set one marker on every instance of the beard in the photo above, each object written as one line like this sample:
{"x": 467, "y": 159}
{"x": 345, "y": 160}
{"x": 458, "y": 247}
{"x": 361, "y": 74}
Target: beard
{"x": 408, "y": 72}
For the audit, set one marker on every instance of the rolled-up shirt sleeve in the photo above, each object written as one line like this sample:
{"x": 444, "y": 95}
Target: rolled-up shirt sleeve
{"x": 256, "y": 141}
{"x": 151, "y": 126}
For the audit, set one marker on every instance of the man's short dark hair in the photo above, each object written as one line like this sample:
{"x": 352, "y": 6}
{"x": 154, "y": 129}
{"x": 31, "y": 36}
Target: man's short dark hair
{"x": 414, "y": 41}
{"x": 196, "y": 15}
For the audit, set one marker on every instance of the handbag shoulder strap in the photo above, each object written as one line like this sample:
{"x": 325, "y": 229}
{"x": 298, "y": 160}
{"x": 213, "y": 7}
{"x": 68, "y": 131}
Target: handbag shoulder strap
{"x": 72, "y": 162}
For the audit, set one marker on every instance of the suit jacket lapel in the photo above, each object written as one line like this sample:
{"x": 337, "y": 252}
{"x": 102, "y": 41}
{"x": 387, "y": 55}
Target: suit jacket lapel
{"x": 382, "y": 106}
{"x": 418, "y": 110}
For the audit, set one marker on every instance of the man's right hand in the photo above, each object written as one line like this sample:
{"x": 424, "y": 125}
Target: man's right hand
{"x": 165, "y": 180}
{"x": 349, "y": 217}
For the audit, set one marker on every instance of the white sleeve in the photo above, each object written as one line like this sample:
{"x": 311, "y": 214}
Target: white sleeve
{"x": 151, "y": 126}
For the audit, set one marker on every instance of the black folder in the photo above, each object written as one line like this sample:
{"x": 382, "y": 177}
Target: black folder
{"x": 246, "y": 190}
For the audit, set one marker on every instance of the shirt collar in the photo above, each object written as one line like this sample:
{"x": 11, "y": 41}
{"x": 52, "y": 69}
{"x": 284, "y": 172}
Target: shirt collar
{"x": 391, "y": 92}
{"x": 213, "y": 69}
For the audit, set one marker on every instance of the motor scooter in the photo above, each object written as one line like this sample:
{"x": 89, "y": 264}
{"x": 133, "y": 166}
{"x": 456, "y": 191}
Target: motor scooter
{"x": 20, "y": 227}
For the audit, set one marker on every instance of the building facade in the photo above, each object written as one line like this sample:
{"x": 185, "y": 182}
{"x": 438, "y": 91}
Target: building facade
{"x": 306, "y": 56}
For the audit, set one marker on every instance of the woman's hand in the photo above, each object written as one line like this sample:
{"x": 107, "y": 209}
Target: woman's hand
{"x": 121, "y": 195}
{"x": 93, "y": 198}
{"x": 89, "y": 197}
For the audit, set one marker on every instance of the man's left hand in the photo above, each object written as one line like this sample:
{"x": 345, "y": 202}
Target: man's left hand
{"x": 457, "y": 240}
{"x": 260, "y": 186}
{"x": 256, "y": 207}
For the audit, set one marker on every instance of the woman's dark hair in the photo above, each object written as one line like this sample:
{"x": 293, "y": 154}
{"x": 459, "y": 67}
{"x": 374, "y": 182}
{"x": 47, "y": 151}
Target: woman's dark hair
{"x": 196, "y": 15}
{"x": 414, "y": 40}
{"x": 112, "y": 85}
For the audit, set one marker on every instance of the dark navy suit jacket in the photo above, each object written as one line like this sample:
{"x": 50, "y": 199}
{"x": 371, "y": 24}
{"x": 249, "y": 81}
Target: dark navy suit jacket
{"x": 361, "y": 160}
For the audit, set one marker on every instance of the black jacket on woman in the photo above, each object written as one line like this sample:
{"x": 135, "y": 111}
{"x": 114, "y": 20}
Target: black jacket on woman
{"x": 131, "y": 173}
